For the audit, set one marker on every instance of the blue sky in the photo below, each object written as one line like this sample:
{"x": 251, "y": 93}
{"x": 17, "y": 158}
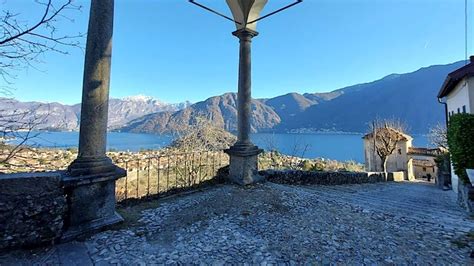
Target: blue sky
{"x": 174, "y": 51}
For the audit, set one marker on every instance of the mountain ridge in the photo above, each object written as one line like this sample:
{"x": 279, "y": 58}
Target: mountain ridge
{"x": 410, "y": 97}
{"x": 65, "y": 117}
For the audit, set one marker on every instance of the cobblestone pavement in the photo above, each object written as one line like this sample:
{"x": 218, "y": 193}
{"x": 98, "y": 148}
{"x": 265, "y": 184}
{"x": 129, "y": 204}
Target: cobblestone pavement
{"x": 384, "y": 223}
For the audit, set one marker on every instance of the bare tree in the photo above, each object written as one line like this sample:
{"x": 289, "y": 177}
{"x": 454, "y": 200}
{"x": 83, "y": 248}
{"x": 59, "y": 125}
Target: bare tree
{"x": 386, "y": 133}
{"x": 18, "y": 129}
{"x": 438, "y": 136}
{"x": 202, "y": 135}
{"x": 22, "y": 42}
{"x": 22, "y": 45}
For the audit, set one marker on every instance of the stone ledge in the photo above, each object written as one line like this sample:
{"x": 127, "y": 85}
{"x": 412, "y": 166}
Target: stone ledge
{"x": 300, "y": 177}
{"x": 32, "y": 209}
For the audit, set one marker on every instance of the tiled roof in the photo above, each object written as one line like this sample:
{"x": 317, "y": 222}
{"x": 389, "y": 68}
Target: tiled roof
{"x": 455, "y": 77}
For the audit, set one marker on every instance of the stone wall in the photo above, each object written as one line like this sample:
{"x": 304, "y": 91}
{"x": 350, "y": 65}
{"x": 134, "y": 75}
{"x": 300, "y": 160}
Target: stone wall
{"x": 32, "y": 209}
{"x": 321, "y": 178}
{"x": 395, "y": 176}
{"x": 466, "y": 196}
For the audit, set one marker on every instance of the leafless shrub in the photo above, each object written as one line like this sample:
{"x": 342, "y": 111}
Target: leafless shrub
{"x": 202, "y": 135}
{"x": 438, "y": 136}
{"x": 17, "y": 130}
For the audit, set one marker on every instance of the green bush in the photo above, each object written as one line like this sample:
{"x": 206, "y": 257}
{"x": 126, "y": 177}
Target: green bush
{"x": 461, "y": 144}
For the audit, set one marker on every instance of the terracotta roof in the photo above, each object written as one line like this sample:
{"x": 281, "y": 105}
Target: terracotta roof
{"x": 455, "y": 77}
{"x": 404, "y": 136}
{"x": 425, "y": 151}
{"x": 423, "y": 163}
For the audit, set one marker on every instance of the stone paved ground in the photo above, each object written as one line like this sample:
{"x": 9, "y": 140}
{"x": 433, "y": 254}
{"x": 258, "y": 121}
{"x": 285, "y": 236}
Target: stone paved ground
{"x": 385, "y": 223}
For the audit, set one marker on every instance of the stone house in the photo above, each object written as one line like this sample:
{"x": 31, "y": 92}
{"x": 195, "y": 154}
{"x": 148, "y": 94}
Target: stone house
{"x": 397, "y": 162}
{"x": 413, "y": 162}
{"x": 457, "y": 95}
{"x": 423, "y": 162}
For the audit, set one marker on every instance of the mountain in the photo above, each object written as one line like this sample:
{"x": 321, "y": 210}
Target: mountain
{"x": 57, "y": 116}
{"x": 410, "y": 97}
{"x": 121, "y": 111}
{"x": 221, "y": 110}
{"x": 50, "y": 116}
{"x": 290, "y": 105}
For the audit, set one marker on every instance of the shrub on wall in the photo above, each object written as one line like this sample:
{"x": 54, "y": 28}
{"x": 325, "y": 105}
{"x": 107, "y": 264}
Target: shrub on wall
{"x": 461, "y": 143}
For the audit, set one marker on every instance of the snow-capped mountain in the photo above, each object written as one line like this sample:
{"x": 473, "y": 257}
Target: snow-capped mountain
{"x": 59, "y": 116}
{"x": 121, "y": 111}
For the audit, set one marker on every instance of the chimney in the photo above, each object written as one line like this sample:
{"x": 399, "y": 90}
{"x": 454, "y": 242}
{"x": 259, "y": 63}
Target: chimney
{"x": 471, "y": 58}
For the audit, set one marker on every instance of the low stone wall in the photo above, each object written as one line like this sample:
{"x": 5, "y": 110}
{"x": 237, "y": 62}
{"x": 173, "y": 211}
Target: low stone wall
{"x": 300, "y": 177}
{"x": 32, "y": 209}
{"x": 466, "y": 196}
{"x": 395, "y": 176}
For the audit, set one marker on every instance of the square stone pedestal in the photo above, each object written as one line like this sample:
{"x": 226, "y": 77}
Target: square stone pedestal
{"x": 243, "y": 168}
{"x": 91, "y": 203}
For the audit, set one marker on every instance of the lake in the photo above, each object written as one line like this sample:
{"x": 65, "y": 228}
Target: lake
{"x": 341, "y": 147}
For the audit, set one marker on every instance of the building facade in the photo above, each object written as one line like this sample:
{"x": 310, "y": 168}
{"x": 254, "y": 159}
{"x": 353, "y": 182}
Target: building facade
{"x": 398, "y": 161}
{"x": 415, "y": 163}
{"x": 457, "y": 94}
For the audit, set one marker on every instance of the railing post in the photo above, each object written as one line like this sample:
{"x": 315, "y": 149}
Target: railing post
{"x": 158, "y": 167}
{"x": 126, "y": 180}
{"x": 148, "y": 179}
{"x": 138, "y": 175}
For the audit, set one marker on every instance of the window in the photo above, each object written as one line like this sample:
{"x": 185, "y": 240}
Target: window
{"x": 463, "y": 109}
{"x": 424, "y": 169}
{"x": 399, "y": 151}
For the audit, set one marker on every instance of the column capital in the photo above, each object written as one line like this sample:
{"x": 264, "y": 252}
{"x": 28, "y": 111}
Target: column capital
{"x": 245, "y": 34}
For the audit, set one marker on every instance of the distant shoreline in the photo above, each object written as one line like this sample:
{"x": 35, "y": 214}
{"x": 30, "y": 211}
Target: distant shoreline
{"x": 260, "y": 132}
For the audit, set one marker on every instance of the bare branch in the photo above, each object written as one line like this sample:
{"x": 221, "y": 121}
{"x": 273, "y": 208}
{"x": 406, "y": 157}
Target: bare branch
{"x": 22, "y": 43}
{"x": 386, "y": 134}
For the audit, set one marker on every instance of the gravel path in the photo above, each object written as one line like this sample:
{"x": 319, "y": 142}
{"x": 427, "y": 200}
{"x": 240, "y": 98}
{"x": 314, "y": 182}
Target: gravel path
{"x": 384, "y": 223}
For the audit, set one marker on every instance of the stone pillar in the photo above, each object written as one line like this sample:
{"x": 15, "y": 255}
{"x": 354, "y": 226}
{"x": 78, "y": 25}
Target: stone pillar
{"x": 95, "y": 92}
{"x": 90, "y": 179}
{"x": 244, "y": 154}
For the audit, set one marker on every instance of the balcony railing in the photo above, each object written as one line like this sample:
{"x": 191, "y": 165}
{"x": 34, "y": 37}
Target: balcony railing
{"x": 164, "y": 174}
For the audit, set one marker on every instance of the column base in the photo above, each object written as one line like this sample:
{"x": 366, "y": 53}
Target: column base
{"x": 84, "y": 166}
{"x": 91, "y": 203}
{"x": 243, "y": 169}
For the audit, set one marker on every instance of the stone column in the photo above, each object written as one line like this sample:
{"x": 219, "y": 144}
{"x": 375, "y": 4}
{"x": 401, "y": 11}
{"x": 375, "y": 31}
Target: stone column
{"x": 95, "y": 93}
{"x": 244, "y": 154}
{"x": 90, "y": 180}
